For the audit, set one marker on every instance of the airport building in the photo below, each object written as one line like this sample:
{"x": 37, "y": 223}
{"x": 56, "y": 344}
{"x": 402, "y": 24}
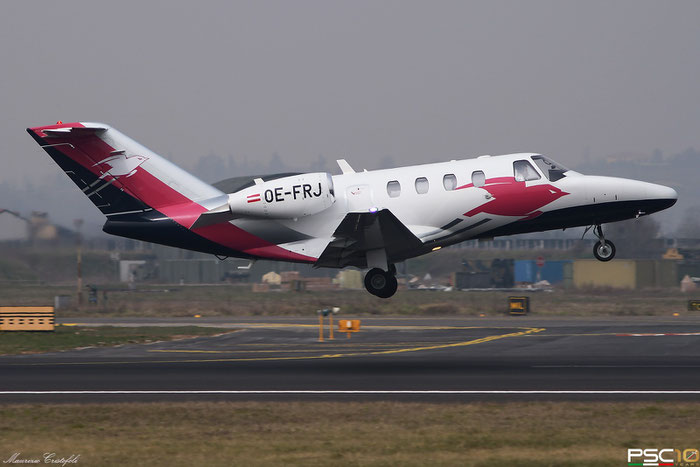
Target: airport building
{"x": 624, "y": 274}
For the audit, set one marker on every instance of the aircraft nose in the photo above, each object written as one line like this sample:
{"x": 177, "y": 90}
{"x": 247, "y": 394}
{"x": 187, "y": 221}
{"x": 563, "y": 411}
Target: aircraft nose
{"x": 627, "y": 198}
{"x": 663, "y": 196}
{"x": 665, "y": 192}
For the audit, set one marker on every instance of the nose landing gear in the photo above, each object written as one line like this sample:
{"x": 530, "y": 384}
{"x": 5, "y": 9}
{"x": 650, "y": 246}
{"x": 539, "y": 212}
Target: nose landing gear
{"x": 603, "y": 250}
{"x": 381, "y": 283}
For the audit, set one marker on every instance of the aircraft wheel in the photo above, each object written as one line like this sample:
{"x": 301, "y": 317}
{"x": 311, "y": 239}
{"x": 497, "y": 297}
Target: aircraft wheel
{"x": 393, "y": 285}
{"x": 381, "y": 283}
{"x": 604, "y": 251}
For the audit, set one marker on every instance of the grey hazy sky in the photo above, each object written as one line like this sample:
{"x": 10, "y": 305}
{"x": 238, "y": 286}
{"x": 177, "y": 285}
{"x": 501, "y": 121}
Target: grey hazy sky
{"x": 418, "y": 81}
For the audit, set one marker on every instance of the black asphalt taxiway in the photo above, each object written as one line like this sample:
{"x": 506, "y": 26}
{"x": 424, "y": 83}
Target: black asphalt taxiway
{"x": 402, "y": 358}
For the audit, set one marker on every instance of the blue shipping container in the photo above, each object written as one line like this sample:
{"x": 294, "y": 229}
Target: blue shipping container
{"x": 552, "y": 271}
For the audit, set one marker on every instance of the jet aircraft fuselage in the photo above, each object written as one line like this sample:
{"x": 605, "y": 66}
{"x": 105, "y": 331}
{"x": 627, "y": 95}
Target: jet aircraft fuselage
{"x": 369, "y": 219}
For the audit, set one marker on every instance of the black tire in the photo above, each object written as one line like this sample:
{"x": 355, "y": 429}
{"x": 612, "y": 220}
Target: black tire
{"x": 380, "y": 283}
{"x": 392, "y": 286}
{"x": 604, "y": 253}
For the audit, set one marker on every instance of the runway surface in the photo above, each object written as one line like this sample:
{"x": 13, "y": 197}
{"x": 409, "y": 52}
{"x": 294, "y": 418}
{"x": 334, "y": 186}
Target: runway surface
{"x": 433, "y": 359}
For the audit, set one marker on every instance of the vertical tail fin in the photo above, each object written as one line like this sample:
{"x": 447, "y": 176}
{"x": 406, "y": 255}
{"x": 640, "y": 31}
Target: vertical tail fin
{"x": 115, "y": 172}
{"x": 146, "y": 197}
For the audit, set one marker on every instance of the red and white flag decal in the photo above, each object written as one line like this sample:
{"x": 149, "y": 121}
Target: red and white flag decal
{"x": 254, "y": 198}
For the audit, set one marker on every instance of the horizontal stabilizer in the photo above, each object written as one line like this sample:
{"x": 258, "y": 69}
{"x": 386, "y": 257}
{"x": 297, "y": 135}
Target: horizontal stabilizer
{"x": 74, "y": 131}
{"x": 214, "y": 216}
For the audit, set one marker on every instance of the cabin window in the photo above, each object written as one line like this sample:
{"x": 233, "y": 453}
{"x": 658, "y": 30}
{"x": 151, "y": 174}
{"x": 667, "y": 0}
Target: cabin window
{"x": 550, "y": 169}
{"x": 393, "y": 189}
{"x": 524, "y": 171}
{"x": 449, "y": 181}
{"x": 422, "y": 185}
{"x": 478, "y": 178}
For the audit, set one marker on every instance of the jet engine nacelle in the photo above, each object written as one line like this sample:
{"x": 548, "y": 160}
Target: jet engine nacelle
{"x": 284, "y": 198}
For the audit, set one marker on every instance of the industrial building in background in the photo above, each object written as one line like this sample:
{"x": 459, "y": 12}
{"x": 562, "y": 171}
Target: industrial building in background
{"x": 36, "y": 229}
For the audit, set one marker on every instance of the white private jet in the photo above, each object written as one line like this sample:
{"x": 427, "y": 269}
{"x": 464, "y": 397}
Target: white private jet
{"x": 370, "y": 219}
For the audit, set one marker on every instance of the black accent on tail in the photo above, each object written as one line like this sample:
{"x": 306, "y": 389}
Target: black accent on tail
{"x": 155, "y": 227}
{"x": 108, "y": 198}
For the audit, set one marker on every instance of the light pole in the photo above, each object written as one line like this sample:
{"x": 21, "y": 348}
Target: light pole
{"x": 322, "y": 314}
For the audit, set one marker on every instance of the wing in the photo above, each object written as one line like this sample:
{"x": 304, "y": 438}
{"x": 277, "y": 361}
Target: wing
{"x": 360, "y": 232}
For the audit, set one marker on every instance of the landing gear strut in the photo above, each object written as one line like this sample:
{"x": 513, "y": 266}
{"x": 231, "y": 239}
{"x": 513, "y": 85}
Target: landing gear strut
{"x": 381, "y": 283}
{"x": 603, "y": 250}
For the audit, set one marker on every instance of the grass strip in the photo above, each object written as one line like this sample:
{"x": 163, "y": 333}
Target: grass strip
{"x": 72, "y": 337}
{"x": 239, "y": 300}
{"x": 348, "y": 433}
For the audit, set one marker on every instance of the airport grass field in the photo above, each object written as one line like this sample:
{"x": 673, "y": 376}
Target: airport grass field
{"x": 347, "y": 433}
{"x": 239, "y": 300}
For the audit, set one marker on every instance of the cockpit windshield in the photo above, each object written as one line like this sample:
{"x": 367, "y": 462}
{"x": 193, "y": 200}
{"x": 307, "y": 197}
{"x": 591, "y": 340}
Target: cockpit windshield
{"x": 553, "y": 171}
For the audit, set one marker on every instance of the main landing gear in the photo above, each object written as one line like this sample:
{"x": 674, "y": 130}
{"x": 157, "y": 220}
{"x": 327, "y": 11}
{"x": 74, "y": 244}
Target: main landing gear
{"x": 603, "y": 250}
{"x": 381, "y": 283}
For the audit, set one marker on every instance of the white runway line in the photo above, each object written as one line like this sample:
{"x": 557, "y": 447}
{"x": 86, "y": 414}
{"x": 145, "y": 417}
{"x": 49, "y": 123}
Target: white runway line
{"x": 357, "y": 392}
{"x": 615, "y": 366}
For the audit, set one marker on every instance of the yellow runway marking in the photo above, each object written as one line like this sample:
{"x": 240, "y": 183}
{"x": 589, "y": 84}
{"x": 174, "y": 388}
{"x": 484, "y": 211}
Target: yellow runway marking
{"x": 336, "y": 343}
{"x": 359, "y": 348}
{"x": 406, "y": 327}
{"x": 369, "y": 351}
{"x": 578, "y": 334}
{"x": 462, "y": 344}
{"x": 293, "y": 325}
{"x": 482, "y": 340}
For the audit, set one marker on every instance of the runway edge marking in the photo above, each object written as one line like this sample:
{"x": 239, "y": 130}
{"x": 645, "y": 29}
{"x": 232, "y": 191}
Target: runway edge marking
{"x": 350, "y": 392}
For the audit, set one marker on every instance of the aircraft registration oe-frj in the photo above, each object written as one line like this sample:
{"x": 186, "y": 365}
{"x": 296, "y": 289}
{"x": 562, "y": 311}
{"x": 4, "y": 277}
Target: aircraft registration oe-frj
{"x": 369, "y": 220}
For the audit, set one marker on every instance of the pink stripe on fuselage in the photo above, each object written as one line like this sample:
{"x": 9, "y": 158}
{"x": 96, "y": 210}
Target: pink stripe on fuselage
{"x": 515, "y": 199}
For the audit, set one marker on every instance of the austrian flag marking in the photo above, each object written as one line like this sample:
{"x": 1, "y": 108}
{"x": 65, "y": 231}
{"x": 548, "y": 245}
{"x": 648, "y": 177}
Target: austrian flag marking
{"x": 254, "y": 198}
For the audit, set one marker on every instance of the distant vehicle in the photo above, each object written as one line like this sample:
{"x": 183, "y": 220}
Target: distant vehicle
{"x": 370, "y": 219}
